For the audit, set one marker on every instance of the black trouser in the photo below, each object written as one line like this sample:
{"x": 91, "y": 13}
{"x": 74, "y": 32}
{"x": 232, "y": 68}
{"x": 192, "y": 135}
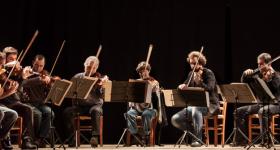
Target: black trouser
{"x": 95, "y": 112}
{"x": 241, "y": 114}
{"x": 265, "y": 115}
{"x": 26, "y": 112}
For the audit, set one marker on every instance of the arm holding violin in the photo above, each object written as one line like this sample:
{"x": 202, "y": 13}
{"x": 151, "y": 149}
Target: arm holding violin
{"x": 32, "y": 82}
{"x": 10, "y": 89}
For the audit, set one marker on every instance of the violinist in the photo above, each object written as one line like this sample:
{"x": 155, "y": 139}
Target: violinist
{"x": 192, "y": 116}
{"x": 13, "y": 101}
{"x": 7, "y": 116}
{"x": 272, "y": 79}
{"x": 36, "y": 87}
{"x": 11, "y": 59}
{"x": 92, "y": 105}
{"x": 146, "y": 110}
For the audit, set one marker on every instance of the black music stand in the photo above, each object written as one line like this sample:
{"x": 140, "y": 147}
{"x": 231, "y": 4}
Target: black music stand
{"x": 56, "y": 96}
{"x": 237, "y": 93}
{"x": 192, "y": 96}
{"x": 128, "y": 91}
{"x": 266, "y": 97}
{"x": 79, "y": 90}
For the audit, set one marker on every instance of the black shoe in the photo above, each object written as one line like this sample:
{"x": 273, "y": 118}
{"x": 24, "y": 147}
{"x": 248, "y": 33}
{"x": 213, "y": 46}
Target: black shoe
{"x": 196, "y": 144}
{"x": 6, "y": 144}
{"x": 94, "y": 141}
{"x": 27, "y": 144}
{"x": 40, "y": 143}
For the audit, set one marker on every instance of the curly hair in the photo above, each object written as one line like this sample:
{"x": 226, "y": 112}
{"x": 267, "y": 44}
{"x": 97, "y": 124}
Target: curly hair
{"x": 202, "y": 59}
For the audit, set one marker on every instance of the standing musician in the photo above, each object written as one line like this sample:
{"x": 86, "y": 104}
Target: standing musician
{"x": 202, "y": 77}
{"x": 37, "y": 87}
{"x": 92, "y": 105}
{"x": 13, "y": 101}
{"x": 7, "y": 116}
{"x": 272, "y": 79}
{"x": 146, "y": 110}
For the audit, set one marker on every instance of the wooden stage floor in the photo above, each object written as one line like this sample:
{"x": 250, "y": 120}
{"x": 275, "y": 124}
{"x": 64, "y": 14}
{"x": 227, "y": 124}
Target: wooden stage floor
{"x": 165, "y": 147}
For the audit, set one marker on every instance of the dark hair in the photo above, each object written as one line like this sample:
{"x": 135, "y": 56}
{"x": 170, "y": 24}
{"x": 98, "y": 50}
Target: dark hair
{"x": 265, "y": 57}
{"x": 39, "y": 57}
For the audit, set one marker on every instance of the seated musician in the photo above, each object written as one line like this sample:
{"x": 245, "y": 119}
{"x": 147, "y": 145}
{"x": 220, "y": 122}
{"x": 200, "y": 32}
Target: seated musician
{"x": 272, "y": 79}
{"x": 92, "y": 105}
{"x": 205, "y": 78}
{"x": 13, "y": 101}
{"x": 7, "y": 116}
{"x": 146, "y": 110}
{"x": 36, "y": 87}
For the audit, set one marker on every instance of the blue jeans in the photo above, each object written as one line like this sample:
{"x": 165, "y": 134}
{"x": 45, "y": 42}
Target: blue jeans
{"x": 147, "y": 116}
{"x": 8, "y": 119}
{"x": 181, "y": 120}
{"x": 42, "y": 120}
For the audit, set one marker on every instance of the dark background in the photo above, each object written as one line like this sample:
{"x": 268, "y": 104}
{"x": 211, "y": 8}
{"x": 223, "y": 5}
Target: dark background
{"x": 233, "y": 32}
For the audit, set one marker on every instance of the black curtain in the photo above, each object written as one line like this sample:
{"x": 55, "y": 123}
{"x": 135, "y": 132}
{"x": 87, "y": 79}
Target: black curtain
{"x": 233, "y": 32}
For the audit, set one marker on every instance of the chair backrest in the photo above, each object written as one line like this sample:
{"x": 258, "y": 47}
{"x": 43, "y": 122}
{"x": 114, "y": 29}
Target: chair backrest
{"x": 223, "y": 102}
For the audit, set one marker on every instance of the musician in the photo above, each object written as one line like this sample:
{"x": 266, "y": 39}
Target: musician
{"x": 205, "y": 78}
{"x": 272, "y": 79}
{"x": 7, "y": 116}
{"x": 92, "y": 105}
{"x": 37, "y": 87}
{"x": 13, "y": 101}
{"x": 146, "y": 110}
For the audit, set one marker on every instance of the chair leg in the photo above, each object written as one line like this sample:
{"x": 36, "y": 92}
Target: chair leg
{"x": 250, "y": 128}
{"x": 206, "y": 131}
{"x": 215, "y": 130}
{"x": 223, "y": 136}
{"x": 20, "y": 131}
{"x": 101, "y": 131}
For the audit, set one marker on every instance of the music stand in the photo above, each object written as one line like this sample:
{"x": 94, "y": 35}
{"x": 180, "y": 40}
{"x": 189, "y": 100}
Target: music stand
{"x": 136, "y": 91}
{"x": 56, "y": 96}
{"x": 80, "y": 89}
{"x": 266, "y": 97}
{"x": 237, "y": 93}
{"x": 192, "y": 96}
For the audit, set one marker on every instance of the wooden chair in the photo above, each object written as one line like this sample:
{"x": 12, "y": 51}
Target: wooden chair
{"x": 82, "y": 126}
{"x": 218, "y": 123}
{"x": 140, "y": 126}
{"x": 17, "y": 130}
{"x": 254, "y": 126}
{"x": 275, "y": 130}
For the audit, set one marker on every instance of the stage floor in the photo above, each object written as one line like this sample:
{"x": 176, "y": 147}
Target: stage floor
{"x": 108, "y": 147}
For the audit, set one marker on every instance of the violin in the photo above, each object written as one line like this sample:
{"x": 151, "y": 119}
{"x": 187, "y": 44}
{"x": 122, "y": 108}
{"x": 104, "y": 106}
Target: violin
{"x": 8, "y": 86}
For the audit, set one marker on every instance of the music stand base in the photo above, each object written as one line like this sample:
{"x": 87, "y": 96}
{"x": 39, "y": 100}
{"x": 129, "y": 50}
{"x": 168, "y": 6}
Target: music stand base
{"x": 53, "y": 134}
{"x": 186, "y": 132}
{"x": 270, "y": 139}
{"x": 137, "y": 139}
{"x": 234, "y": 133}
